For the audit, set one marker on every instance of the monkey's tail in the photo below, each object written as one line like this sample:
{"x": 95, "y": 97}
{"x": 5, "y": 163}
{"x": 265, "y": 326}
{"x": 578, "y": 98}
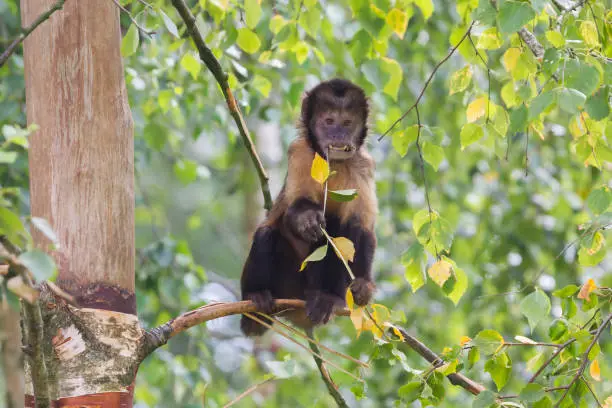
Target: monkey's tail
{"x": 329, "y": 383}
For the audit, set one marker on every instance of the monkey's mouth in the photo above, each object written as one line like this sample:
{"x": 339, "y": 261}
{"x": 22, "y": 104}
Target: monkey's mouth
{"x": 341, "y": 148}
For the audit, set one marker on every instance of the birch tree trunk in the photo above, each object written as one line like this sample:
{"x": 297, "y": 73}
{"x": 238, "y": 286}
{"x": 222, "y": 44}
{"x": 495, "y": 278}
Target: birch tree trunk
{"x": 81, "y": 181}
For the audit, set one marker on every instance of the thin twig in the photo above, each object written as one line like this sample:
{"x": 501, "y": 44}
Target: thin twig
{"x": 27, "y": 31}
{"x": 585, "y": 358}
{"x": 127, "y": 12}
{"x": 591, "y": 390}
{"x": 332, "y": 388}
{"x": 297, "y": 343}
{"x": 247, "y": 392}
{"x": 452, "y": 51}
{"x": 213, "y": 65}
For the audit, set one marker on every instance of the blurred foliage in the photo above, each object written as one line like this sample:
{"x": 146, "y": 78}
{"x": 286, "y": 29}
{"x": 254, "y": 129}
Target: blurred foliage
{"x": 516, "y": 164}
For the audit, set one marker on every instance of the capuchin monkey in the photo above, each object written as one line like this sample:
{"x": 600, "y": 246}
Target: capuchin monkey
{"x": 333, "y": 124}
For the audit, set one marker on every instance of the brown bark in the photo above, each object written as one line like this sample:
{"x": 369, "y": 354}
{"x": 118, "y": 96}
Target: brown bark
{"x": 81, "y": 181}
{"x": 10, "y": 357}
{"x": 81, "y": 159}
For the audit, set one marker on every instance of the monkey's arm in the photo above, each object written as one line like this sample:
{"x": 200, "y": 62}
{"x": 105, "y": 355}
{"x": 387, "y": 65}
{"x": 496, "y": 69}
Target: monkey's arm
{"x": 363, "y": 285}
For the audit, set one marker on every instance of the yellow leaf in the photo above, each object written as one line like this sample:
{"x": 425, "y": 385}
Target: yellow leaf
{"x": 476, "y": 109}
{"x": 398, "y": 21}
{"x": 448, "y": 368}
{"x": 320, "y": 169}
{"x": 350, "y": 302}
{"x": 608, "y": 402}
{"x": 360, "y": 320}
{"x": 346, "y": 248}
{"x": 595, "y": 371}
{"x": 464, "y": 340}
{"x": 586, "y": 289}
{"x": 440, "y": 271}
{"x": 396, "y": 330}
{"x": 555, "y": 38}
{"x": 511, "y": 57}
{"x": 588, "y": 31}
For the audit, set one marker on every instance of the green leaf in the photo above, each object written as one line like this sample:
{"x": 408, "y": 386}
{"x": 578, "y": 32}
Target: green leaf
{"x": 129, "y": 43}
{"x": 262, "y": 85}
{"x": 394, "y": 70}
{"x": 532, "y": 393}
{"x": 470, "y": 133}
{"x": 555, "y": 38}
{"x": 186, "y": 171}
{"x": 253, "y": 12}
{"x": 398, "y": 21}
{"x": 316, "y": 255}
{"x": 570, "y": 100}
{"x": 412, "y": 261}
{"x": 426, "y": 7}
{"x": 248, "y": 41}
{"x": 310, "y": 20}
{"x": 568, "y": 291}
{"x": 7, "y": 157}
{"x": 277, "y": 23}
{"x": 170, "y": 26}
{"x": 488, "y": 341}
{"x": 588, "y": 31}
{"x": 433, "y": 155}
{"x": 500, "y": 368}
{"x": 461, "y": 285}
{"x": 518, "y": 119}
{"x": 401, "y": 140}
{"x": 513, "y": 15}
{"x": 411, "y": 391}
{"x": 581, "y": 76}
{"x": 39, "y": 263}
{"x": 460, "y": 80}
{"x": 540, "y": 103}
{"x": 535, "y": 307}
{"x": 597, "y": 105}
{"x": 484, "y": 400}
{"x": 284, "y": 369}
{"x": 489, "y": 39}
{"x": 599, "y": 200}
{"x": 11, "y": 226}
{"x": 557, "y": 330}
{"x": 191, "y": 64}
{"x": 343, "y": 195}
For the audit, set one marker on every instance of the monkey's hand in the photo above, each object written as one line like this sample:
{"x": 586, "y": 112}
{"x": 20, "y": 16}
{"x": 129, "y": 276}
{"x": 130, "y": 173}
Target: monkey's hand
{"x": 307, "y": 225}
{"x": 320, "y": 306}
{"x": 362, "y": 290}
{"x": 264, "y": 302}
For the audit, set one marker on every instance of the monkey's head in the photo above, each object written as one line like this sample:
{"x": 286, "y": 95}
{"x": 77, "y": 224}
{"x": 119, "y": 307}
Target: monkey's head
{"x": 335, "y": 115}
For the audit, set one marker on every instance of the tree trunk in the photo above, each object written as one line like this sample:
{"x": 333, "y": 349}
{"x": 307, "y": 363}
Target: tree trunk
{"x": 10, "y": 356}
{"x": 81, "y": 181}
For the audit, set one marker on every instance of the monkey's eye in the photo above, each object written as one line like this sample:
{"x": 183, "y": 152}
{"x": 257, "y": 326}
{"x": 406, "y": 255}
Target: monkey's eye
{"x": 329, "y": 121}
{"x": 347, "y": 123}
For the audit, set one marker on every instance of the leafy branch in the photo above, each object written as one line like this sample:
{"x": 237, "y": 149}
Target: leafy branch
{"x": 213, "y": 65}
{"x": 28, "y": 30}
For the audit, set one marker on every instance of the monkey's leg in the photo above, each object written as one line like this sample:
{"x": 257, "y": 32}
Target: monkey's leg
{"x": 256, "y": 281}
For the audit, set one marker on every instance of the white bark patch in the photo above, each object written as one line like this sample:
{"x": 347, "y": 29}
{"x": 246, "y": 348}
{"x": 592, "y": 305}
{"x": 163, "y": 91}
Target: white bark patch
{"x": 68, "y": 343}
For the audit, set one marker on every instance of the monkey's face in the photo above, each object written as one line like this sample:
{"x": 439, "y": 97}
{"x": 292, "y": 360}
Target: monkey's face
{"x": 335, "y": 113}
{"x": 338, "y": 132}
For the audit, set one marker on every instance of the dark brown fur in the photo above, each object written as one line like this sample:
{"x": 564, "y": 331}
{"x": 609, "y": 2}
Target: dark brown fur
{"x": 291, "y": 229}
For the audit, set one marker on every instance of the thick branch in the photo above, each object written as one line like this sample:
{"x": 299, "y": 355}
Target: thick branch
{"x": 532, "y": 42}
{"x": 215, "y": 68}
{"x": 160, "y": 335}
{"x": 26, "y": 31}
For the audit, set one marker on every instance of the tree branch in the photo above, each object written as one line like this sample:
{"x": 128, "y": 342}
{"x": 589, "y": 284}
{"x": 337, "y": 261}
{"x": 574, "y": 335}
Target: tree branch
{"x": 532, "y": 42}
{"x": 26, "y": 31}
{"x": 215, "y": 68}
{"x": 455, "y": 378}
{"x": 438, "y": 65}
{"x": 585, "y": 358}
{"x": 160, "y": 335}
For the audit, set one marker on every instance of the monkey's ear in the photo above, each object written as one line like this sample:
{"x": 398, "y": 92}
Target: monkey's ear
{"x": 306, "y": 113}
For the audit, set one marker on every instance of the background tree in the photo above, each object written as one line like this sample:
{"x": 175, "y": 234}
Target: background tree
{"x": 495, "y": 186}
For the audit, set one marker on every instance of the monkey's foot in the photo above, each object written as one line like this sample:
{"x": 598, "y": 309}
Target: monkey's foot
{"x": 251, "y": 328}
{"x": 264, "y": 302}
{"x": 362, "y": 291}
{"x": 321, "y": 306}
